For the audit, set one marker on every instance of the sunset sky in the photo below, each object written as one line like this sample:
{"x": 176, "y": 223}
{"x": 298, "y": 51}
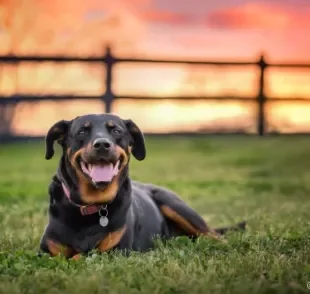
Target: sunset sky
{"x": 196, "y": 29}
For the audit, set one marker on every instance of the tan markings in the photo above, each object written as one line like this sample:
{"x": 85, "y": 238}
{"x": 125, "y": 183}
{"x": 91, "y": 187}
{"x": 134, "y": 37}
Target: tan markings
{"x": 86, "y": 124}
{"x": 110, "y": 124}
{"x": 181, "y": 221}
{"x": 122, "y": 154}
{"x": 89, "y": 147}
{"x": 56, "y": 129}
{"x": 185, "y": 224}
{"x": 77, "y": 256}
{"x": 57, "y": 248}
{"x": 91, "y": 194}
{"x": 75, "y": 156}
{"x": 111, "y": 240}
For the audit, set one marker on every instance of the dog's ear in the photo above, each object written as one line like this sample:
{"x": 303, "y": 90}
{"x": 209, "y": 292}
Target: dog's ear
{"x": 57, "y": 132}
{"x": 138, "y": 144}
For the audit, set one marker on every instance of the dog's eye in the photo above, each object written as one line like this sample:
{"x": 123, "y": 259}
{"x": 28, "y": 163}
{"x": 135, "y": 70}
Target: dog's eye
{"x": 81, "y": 132}
{"x": 116, "y": 131}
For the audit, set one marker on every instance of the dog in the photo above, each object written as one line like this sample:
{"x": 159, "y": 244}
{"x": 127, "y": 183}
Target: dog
{"x": 93, "y": 202}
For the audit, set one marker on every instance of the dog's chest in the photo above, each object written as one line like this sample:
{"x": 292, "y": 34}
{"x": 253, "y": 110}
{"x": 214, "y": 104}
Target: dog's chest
{"x": 88, "y": 239}
{"x": 81, "y": 238}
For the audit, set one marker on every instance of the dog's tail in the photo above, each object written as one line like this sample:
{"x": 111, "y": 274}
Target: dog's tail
{"x": 239, "y": 227}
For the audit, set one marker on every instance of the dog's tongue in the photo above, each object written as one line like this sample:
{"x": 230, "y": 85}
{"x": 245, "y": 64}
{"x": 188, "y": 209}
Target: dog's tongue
{"x": 103, "y": 173}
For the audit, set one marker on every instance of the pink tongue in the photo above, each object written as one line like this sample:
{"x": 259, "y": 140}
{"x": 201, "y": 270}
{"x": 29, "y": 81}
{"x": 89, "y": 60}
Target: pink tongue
{"x": 104, "y": 173}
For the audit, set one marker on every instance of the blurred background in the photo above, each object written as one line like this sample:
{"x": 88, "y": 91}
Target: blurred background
{"x": 248, "y": 94}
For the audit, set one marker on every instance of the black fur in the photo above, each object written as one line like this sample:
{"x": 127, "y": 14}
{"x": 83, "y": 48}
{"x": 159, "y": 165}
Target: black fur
{"x": 135, "y": 205}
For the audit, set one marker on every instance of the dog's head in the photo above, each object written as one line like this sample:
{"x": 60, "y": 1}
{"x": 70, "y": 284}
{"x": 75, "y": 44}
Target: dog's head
{"x": 97, "y": 148}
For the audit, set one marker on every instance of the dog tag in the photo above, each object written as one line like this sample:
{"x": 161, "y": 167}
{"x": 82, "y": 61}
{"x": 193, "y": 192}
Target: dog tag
{"x": 103, "y": 221}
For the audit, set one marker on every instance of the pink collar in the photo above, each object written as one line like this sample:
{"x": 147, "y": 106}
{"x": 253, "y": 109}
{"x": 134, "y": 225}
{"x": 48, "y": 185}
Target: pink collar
{"x": 84, "y": 209}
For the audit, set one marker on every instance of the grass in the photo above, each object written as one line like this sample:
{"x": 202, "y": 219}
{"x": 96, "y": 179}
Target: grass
{"x": 226, "y": 179}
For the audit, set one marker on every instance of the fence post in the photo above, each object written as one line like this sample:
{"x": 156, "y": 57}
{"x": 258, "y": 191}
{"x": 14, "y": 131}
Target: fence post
{"x": 108, "y": 96}
{"x": 261, "y": 99}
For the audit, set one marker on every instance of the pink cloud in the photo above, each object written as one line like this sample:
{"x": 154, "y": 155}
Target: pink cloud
{"x": 259, "y": 16}
{"x": 164, "y": 16}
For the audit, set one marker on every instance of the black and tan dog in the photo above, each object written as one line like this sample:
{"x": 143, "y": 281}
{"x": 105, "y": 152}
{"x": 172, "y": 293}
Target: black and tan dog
{"x": 95, "y": 205}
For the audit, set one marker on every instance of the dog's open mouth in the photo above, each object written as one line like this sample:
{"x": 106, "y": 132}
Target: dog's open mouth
{"x": 101, "y": 173}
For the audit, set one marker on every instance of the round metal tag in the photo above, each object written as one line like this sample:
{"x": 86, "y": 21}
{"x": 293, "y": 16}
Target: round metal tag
{"x": 103, "y": 221}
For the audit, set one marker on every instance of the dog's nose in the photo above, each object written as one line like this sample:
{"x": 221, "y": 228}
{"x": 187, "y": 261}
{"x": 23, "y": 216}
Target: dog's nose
{"x": 102, "y": 143}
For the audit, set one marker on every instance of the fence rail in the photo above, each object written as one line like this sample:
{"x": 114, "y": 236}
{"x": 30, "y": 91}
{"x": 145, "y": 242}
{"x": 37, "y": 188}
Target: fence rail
{"x": 108, "y": 60}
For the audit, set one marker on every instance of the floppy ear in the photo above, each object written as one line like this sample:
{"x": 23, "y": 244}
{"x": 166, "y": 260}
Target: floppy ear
{"x": 57, "y": 132}
{"x": 138, "y": 146}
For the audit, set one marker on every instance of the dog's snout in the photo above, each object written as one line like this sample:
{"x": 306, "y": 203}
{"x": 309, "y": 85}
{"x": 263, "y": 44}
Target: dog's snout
{"x": 102, "y": 143}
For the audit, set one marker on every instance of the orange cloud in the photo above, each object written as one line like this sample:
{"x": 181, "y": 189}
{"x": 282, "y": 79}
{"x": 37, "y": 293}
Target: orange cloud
{"x": 167, "y": 17}
{"x": 58, "y": 27}
{"x": 259, "y": 16}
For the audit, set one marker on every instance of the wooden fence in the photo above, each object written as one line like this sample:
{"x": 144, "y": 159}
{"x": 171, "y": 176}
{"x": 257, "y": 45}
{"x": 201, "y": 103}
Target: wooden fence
{"x": 108, "y": 60}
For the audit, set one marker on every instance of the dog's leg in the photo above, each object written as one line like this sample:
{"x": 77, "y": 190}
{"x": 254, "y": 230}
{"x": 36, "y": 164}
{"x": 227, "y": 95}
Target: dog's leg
{"x": 111, "y": 240}
{"x": 55, "y": 248}
{"x": 174, "y": 209}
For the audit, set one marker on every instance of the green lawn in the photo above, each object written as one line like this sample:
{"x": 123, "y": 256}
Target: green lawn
{"x": 226, "y": 179}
